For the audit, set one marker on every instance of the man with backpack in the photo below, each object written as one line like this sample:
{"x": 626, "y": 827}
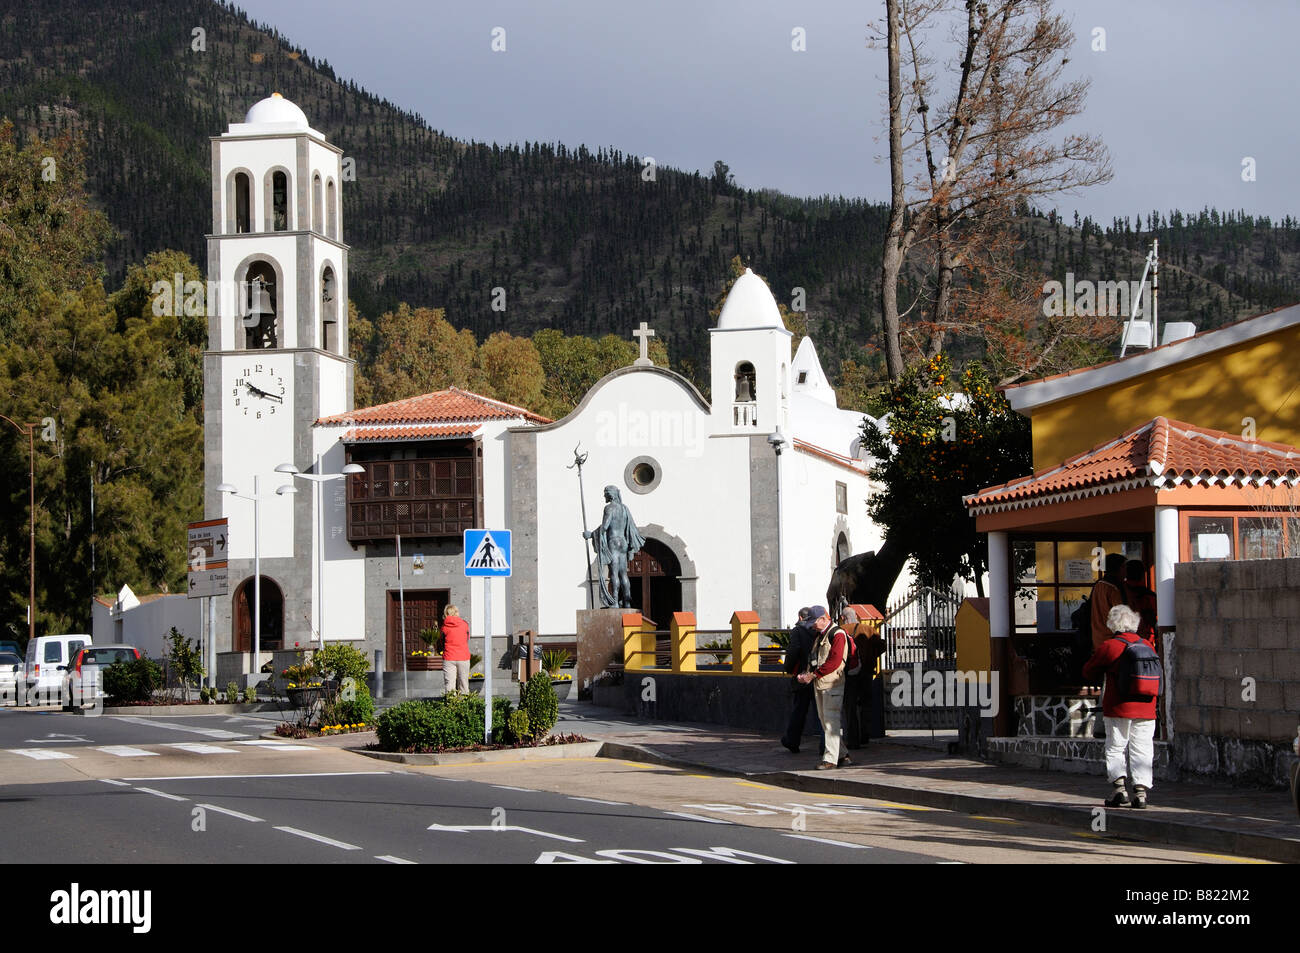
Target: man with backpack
{"x": 1128, "y": 705}
{"x": 827, "y": 661}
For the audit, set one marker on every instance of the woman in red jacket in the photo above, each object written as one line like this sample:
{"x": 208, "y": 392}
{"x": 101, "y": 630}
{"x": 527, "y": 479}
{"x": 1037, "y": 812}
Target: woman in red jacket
{"x": 1130, "y": 724}
{"x": 455, "y": 651}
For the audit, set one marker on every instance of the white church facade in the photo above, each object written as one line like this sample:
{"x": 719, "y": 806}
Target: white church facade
{"x": 746, "y": 500}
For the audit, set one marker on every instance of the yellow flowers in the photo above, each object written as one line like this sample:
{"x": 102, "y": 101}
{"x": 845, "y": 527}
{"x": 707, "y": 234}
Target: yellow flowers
{"x": 325, "y": 728}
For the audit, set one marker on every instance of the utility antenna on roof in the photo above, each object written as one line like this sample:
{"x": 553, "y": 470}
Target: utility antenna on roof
{"x": 1143, "y": 333}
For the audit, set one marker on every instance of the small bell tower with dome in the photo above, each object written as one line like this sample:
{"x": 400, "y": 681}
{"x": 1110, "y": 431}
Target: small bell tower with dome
{"x": 277, "y": 356}
{"x": 750, "y": 362}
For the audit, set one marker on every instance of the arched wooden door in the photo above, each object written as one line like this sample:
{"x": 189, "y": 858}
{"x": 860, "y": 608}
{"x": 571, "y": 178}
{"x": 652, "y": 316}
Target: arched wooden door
{"x": 272, "y": 616}
{"x": 656, "y": 584}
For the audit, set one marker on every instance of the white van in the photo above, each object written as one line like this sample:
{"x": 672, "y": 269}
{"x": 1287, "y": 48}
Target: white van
{"x": 47, "y": 660}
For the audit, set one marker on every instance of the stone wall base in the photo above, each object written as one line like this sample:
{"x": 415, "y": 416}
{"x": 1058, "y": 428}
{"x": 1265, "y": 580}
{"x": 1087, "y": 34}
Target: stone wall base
{"x": 1232, "y": 759}
{"x": 1069, "y": 755}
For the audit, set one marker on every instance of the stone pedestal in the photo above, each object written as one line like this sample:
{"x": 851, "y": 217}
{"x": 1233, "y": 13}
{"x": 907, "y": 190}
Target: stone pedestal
{"x": 600, "y": 641}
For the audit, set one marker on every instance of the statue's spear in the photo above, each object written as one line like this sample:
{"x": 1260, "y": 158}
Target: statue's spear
{"x": 578, "y": 460}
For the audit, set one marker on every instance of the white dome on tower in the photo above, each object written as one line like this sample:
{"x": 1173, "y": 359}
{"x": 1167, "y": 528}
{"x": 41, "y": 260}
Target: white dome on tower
{"x": 275, "y": 109}
{"x": 749, "y": 305}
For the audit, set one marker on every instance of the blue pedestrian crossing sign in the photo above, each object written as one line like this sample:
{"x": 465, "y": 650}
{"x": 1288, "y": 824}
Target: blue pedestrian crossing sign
{"x": 487, "y": 552}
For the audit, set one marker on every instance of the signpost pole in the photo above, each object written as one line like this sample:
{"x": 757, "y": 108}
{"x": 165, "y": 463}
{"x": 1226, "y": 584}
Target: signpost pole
{"x": 487, "y": 659}
{"x": 212, "y": 643}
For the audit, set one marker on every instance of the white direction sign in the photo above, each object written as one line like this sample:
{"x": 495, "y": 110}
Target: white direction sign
{"x": 210, "y": 537}
{"x": 210, "y": 582}
{"x": 208, "y": 543}
{"x": 487, "y": 552}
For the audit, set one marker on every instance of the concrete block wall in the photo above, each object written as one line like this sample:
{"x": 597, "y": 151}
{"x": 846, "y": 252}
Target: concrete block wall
{"x": 1235, "y": 668}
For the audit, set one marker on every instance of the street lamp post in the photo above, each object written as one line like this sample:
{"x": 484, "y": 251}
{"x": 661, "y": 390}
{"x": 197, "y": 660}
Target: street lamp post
{"x": 318, "y": 479}
{"x": 30, "y": 431}
{"x": 257, "y": 563}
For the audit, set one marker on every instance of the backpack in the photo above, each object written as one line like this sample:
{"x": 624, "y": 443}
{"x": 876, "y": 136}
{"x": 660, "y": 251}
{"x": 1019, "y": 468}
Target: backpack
{"x": 823, "y": 642}
{"x": 853, "y": 663}
{"x": 1138, "y": 673}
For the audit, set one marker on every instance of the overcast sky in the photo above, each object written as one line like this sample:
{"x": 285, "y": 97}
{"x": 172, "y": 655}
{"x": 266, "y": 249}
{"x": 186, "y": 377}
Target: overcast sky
{"x": 1185, "y": 90}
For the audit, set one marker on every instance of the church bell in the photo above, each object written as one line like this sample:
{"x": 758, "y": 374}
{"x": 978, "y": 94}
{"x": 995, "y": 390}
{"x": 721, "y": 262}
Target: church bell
{"x": 260, "y": 304}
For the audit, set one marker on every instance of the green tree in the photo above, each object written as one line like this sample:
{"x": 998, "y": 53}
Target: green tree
{"x": 510, "y": 369}
{"x": 943, "y": 439}
{"x": 412, "y": 351}
{"x": 50, "y": 237}
{"x": 179, "y": 320}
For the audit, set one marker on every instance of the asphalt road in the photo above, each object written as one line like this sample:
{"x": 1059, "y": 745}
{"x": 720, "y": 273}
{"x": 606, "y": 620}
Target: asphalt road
{"x": 206, "y": 789}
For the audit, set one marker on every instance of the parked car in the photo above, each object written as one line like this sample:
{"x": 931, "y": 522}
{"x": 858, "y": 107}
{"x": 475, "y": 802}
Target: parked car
{"x": 11, "y": 672}
{"x": 11, "y": 647}
{"x": 47, "y": 660}
{"x": 101, "y": 655}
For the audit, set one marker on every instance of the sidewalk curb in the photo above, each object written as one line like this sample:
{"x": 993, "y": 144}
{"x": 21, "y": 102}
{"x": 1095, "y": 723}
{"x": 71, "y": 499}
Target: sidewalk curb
{"x": 1121, "y": 822}
{"x": 584, "y": 749}
{"x": 147, "y": 711}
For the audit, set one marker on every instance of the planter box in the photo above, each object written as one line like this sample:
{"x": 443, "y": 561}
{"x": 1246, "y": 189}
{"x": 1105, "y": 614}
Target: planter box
{"x": 582, "y": 749}
{"x": 562, "y": 689}
{"x": 422, "y": 664}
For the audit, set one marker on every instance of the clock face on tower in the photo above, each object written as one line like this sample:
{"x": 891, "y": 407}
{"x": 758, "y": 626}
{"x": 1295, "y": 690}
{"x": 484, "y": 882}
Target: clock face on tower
{"x": 259, "y": 390}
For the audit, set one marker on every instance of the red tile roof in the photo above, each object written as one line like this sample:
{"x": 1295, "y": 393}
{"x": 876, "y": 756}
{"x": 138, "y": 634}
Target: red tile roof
{"x": 443, "y": 406}
{"x": 371, "y": 434}
{"x": 1159, "y": 453}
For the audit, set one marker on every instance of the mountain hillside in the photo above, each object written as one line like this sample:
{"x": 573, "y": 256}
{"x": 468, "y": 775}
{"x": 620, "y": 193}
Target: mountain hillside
{"x": 577, "y": 238}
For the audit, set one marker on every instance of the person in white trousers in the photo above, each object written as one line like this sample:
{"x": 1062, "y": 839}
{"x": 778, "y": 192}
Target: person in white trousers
{"x": 1130, "y": 720}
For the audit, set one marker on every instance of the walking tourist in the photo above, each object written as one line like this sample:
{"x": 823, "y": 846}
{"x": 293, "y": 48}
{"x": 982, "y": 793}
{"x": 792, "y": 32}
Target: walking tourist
{"x": 1128, "y": 705}
{"x": 801, "y": 695}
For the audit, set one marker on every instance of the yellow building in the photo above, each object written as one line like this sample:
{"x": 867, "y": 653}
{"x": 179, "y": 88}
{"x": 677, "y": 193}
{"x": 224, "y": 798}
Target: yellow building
{"x": 1182, "y": 453}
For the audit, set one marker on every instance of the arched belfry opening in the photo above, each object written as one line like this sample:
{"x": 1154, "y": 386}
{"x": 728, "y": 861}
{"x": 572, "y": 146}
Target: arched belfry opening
{"x": 260, "y": 307}
{"x": 329, "y": 314}
{"x": 331, "y": 211}
{"x": 279, "y": 201}
{"x": 317, "y": 201}
{"x": 243, "y": 203}
{"x": 746, "y": 395}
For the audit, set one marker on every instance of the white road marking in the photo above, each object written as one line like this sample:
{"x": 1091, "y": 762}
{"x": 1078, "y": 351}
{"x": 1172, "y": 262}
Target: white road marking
{"x": 216, "y": 733}
{"x": 276, "y": 745}
{"x": 41, "y": 754}
{"x": 121, "y": 784}
{"x": 507, "y": 787}
{"x": 320, "y": 839}
{"x": 228, "y": 811}
{"x": 696, "y": 817}
{"x": 196, "y": 747}
{"x": 127, "y": 751}
{"x": 466, "y": 828}
{"x": 392, "y": 860}
{"x": 170, "y": 797}
{"x": 596, "y": 800}
{"x": 216, "y": 777}
{"x": 827, "y": 840}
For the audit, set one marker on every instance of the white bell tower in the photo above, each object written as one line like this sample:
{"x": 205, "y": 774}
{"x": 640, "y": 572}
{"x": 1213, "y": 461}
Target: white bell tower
{"x": 750, "y": 362}
{"x": 277, "y": 358}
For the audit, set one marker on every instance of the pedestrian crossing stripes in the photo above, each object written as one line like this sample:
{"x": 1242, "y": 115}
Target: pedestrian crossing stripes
{"x": 130, "y": 751}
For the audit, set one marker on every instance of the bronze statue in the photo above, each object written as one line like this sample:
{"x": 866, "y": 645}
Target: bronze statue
{"x": 617, "y": 541}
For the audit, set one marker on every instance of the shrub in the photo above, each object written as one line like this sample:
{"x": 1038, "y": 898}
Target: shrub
{"x": 518, "y": 725}
{"x": 356, "y": 708}
{"x": 250, "y": 694}
{"x": 232, "y": 692}
{"x": 338, "y": 660}
{"x": 539, "y": 701}
{"x": 719, "y": 658}
{"x": 133, "y": 681}
{"x": 185, "y": 660}
{"x": 453, "y": 721}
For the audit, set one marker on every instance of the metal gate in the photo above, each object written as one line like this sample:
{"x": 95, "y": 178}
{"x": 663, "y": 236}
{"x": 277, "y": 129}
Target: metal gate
{"x": 920, "y": 629}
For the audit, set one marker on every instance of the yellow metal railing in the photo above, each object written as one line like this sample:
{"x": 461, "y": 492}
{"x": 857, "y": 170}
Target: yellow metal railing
{"x": 640, "y": 642}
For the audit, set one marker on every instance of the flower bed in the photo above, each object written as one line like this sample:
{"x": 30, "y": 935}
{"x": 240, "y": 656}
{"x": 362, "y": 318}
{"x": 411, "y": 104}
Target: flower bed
{"x": 547, "y": 742}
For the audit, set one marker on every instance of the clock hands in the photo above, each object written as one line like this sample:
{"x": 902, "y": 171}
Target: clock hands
{"x": 264, "y": 394}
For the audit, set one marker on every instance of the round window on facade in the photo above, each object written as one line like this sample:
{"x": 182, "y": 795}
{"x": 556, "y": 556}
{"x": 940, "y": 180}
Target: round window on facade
{"x": 642, "y": 474}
